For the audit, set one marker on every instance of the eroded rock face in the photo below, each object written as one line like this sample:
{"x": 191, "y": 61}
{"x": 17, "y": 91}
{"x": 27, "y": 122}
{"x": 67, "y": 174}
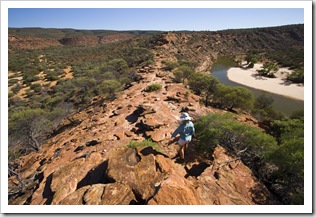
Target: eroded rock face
{"x": 229, "y": 181}
{"x": 146, "y": 176}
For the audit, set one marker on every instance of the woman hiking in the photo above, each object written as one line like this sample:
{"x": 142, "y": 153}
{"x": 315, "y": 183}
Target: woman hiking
{"x": 186, "y": 130}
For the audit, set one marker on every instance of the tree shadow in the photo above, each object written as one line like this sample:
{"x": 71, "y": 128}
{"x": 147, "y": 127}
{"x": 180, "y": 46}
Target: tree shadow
{"x": 150, "y": 150}
{"x": 48, "y": 193}
{"x": 258, "y": 77}
{"x": 196, "y": 170}
{"x": 286, "y": 82}
{"x": 95, "y": 176}
{"x": 133, "y": 118}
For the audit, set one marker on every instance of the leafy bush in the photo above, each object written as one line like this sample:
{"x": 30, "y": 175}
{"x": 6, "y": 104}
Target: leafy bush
{"x": 144, "y": 143}
{"x": 178, "y": 76}
{"x": 136, "y": 55}
{"x": 16, "y": 88}
{"x": 13, "y": 81}
{"x": 109, "y": 87}
{"x": 231, "y": 97}
{"x": 268, "y": 70}
{"x": 36, "y": 87}
{"x": 289, "y": 158}
{"x": 225, "y": 130}
{"x": 170, "y": 65}
{"x": 297, "y": 76}
{"x": 118, "y": 68}
{"x": 51, "y": 75}
{"x": 154, "y": 87}
{"x": 190, "y": 64}
{"x": 182, "y": 73}
{"x": 263, "y": 110}
{"x": 29, "y": 126}
{"x": 203, "y": 84}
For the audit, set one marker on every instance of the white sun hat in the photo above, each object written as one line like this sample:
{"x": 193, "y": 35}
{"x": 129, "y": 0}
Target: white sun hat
{"x": 185, "y": 117}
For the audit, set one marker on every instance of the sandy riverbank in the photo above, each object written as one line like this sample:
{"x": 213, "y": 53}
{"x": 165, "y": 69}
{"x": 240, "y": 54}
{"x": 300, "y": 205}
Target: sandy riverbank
{"x": 274, "y": 85}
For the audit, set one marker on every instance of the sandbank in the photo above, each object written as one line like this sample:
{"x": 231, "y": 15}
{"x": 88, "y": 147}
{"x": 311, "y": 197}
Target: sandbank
{"x": 278, "y": 85}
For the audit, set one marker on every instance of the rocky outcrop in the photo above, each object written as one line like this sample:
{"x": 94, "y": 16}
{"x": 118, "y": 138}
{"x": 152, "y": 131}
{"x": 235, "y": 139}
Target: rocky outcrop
{"x": 28, "y": 42}
{"x": 146, "y": 176}
{"x": 95, "y": 40}
{"x": 90, "y": 163}
{"x": 204, "y": 47}
{"x": 17, "y": 42}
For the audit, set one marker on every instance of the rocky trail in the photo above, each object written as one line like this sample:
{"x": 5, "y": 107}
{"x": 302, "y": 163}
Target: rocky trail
{"x": 87, "y": 161}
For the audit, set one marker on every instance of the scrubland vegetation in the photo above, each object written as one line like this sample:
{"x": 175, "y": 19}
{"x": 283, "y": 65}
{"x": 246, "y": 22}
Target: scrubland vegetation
{"x": 275, "y": 153}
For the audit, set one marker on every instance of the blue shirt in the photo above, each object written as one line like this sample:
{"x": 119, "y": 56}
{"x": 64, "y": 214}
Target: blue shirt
{"x": 185, "y": 130}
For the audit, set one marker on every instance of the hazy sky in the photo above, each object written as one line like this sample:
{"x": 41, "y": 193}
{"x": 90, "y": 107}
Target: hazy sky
{"x": 166, "y": 19}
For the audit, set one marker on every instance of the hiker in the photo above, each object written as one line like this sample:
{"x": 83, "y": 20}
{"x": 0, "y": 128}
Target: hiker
{"x": 186, "y": 130}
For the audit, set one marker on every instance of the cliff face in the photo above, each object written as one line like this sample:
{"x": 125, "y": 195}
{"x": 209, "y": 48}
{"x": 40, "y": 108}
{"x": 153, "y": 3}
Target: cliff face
{"x": 205, "y": 47}
{"x": 93, "y": 40}
{"x": 87, "y": 160}
{"x": 20, "y": 42}
{"x": 17, "y": 42}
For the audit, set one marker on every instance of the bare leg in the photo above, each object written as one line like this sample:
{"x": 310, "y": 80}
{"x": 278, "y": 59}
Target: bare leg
{"x": 182, "y": 151}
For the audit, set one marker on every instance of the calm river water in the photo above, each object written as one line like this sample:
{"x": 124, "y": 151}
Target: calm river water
{"x": 281, "y": 103}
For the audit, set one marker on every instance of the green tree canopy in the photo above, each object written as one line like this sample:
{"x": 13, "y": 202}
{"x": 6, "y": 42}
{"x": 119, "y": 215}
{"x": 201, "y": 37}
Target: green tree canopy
{"x": 289, "y": 157}
{"x": 225, "y": 130}
{"x": 268, "y": 69}
{"x": 234, "y": 97}
{"x": 203, "y": 84}
{"x": 297, "y": 76}
{"x": 109, "y": 87}
{"x": 28, "y": 126}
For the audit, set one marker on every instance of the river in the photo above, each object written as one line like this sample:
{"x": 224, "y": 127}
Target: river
{"x": 281, "y": 103}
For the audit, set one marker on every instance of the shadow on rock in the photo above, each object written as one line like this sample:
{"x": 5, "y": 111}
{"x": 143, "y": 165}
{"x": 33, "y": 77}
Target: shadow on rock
{"x": 149, "y": 150}
{"x": 96, "y": 176}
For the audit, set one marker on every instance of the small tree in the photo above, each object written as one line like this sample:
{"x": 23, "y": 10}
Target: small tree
{"x": 234, "y": 97}
{"x": 109, "y": 87}
{"x": 297, "y": 76}
{"x": 263, "y": 110}
{"x": 289, "y": 158}
{"x": 225, "y": 130}
{"x": 268, "y": 70}
{"x": 263, "y": 102}
{"x": 118, "y": 67}
{"x": 251, "y": 60}
{"x": 178, "y": 76}
{"x": 203, "y": 84}
{"x": 29, "y": 126}
{"x": 183, "y": 73}
{"x": 170, "y": 65}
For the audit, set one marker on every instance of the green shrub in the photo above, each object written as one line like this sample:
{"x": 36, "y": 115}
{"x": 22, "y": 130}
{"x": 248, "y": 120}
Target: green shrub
{"x": 182, "y": 73}
{"x": 268, "y": 70}
{"x": 190, "y": 64}
{"x": 231, "y": 97}
{"x": 154, "y": 87}
{"x": 144, "y": 143}
{"x": 225, "y": 130}
{"x": 297, "y": 76}
{"x": 289, "y": 158}
{"x": 203, "y": 84}
{"x": 13, "y": 81}
{"x": 16, "y": 88}
{"x": 109, "y": 87}
{"x": 51, "y": 75}
{"x": 170, "y": 65}
{"x": 36, "y": 87}
{"x": 178, "y": 76}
